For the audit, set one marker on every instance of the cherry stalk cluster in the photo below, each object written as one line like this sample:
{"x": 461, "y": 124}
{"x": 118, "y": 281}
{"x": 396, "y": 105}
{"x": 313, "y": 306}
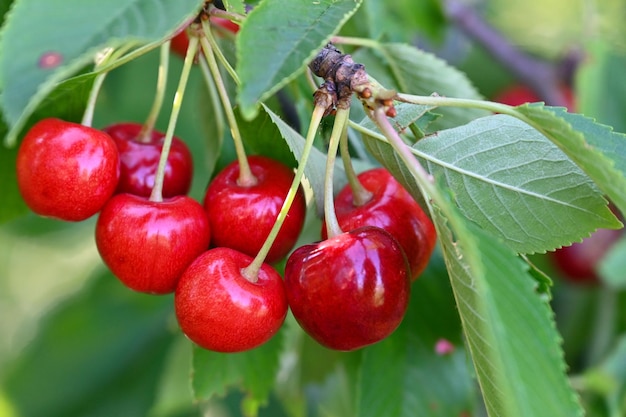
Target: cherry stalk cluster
{"x": 347, "y": 290}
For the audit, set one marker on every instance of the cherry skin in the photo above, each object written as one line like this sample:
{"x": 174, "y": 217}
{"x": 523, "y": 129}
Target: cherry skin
{"x": 518, "y": 94}
{"x": 180, "y": 42}
{"x": 66, "y": 170}
{"x": 351, "y": 290}
{"x": 393, "y": 209}
{"x": 578, "y": 262}
{"x": 241, "y": 217}
{"x": 139, "y": 161}
{"x": 221, "y": 310}
{"x": 146, "y": 244}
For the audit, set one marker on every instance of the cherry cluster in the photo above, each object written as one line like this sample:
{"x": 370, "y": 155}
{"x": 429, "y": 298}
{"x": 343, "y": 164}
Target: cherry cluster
{"x": 348, "y": 290}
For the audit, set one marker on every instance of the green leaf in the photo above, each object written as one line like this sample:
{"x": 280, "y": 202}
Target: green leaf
{"x": 612, "y": 266}
{"x": 509, "y": 328}
{"x": 421, "y": 369}
{"x": 595, "y": 148}
{"x": 509, "y": 179}
{"x": 98, "y": 354}
{"x": 253, "y": 371}
{"x": 88, "y": 25}
{"x": 12, "y": 203}
{"x": 237, "y": 6}
{"x": 516, "y": 184}
{"x": 278, "y": 39}
{"x": 414, "y": 71}
{"x": 262, "y": 137}
{"x": 599, "y": 91}
{"x": 316, "y": 164}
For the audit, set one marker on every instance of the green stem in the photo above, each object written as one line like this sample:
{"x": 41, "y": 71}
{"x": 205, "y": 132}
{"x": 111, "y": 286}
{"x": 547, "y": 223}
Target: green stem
{"x": 251, "y": 271}
{"x": 439, "y": 101}
{"x": 148, "y": 126}
{"x": 206, "y": 27}
{"x": 157, "y": 190}
{"x": 246, "y": 178}
{"x": 354, "y": 41}
{"x": 213, "y": 94}
{"x": 360, "y": 195}
{"x": 93, "y": 97}
{"x": 340, "y": 128}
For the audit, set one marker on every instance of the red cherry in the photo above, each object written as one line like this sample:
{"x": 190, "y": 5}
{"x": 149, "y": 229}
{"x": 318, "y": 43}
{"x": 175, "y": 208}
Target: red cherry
{"x": 220, "y": 310}
{"x": 393, "y": 209}
{"x": 518, "y": 94}
{"x": 351, "y": 290}
{"x": 148, "y": 244}
{"x": 180, "y": 42}
{"x": 139, "y": 161}
{"x": 579, "y": 261}
{"x": 66, "y": 170}
{"x": 225, "y": 23}
{"x": 241, "y": 217}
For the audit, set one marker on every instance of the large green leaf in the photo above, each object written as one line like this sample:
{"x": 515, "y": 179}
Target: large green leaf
{"x": 515, "y": 183}
{"x": 421, "y": 369}
{"x": 99, "y": 354}
{"x": 600, "y": 92}
{"x": 253, "y": 371}
{"x": 595, "y": 148}
{"x": 87, "y": 25}
{"x": 511, "y": 180}
{"x": 278, "y": 39}
{"x": 509, "y": 327}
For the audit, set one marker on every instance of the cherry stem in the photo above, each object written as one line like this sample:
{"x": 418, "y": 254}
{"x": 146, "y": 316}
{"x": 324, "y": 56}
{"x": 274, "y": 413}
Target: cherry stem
{"x": 246, "y": 178}
{"x": 93, "y": 97}
{"x": 217, "y": 51}
{"x": 340, "y": 129}
{"x": 157, "y": 190}
{"x": 101, "y": 59}
{"x": 215, "y": 100}
{"x": 360, "y": 195}
{"x": 251, "y": 271}
{"x": 148, "y": 126}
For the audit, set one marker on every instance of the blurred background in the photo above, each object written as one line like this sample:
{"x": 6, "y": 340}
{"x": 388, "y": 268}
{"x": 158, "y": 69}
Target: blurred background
{"x": 110, "y": 352}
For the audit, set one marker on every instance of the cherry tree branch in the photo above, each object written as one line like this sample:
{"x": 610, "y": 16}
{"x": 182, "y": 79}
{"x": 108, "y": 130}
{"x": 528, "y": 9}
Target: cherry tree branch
{"x": 542, "y": 77}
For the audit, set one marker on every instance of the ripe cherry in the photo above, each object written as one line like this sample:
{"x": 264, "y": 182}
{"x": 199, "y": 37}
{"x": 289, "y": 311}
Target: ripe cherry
{"x": 180, "y": 42}
{"x": 578, "y": 262}
{"x": 147, "y": 244}
{"x": 221, "y": 310}
{"x": 139, "y": 159}
{"x": 351, "y": 290}
{"x": 66, "y": 170}
{"x": 518, "y": 94}
{"x": 392, "y": 208}
{"x": 241, "y": 217}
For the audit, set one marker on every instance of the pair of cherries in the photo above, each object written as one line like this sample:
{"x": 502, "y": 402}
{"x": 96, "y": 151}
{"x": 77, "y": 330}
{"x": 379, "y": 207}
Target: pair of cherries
{"x": 347, "y": 291}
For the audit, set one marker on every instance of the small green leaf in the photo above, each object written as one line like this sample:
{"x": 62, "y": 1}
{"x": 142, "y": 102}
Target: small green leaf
{"x": 262, "y": 137}
{"x": 315, "y": 168}
{"x": 30, "y": 66}
{"x": 612, "y": 266}
{"x": 509, "y": 328}
{"x": 397, "y": 374}
{"x": 278, "y": 39}
{"x": 12, "y": 203}
{"x": 237, "y": 6}
{"x": 595, "y": 148}
{"x": 253, "y": 371}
